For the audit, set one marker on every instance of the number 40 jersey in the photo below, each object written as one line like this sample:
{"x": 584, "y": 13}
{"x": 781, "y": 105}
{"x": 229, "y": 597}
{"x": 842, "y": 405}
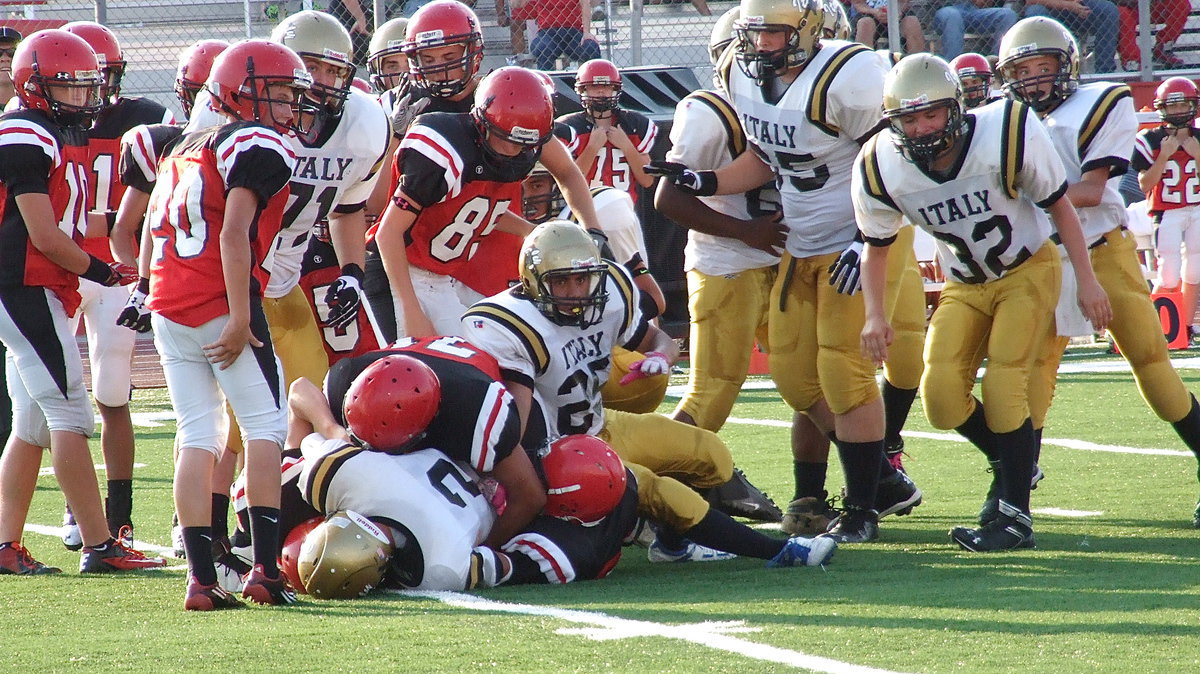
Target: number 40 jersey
{"x": 986, "y": 215}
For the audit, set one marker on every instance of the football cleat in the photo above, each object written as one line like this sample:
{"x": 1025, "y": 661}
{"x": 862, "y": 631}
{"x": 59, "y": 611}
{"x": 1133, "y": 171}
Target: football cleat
{"x": 894, "y": 451}
{"x": 177, "y": 538}
{"x": 231, "y": 567}
{"x": 1012, "y": 529}
{"x": 809, "y": 516}
{"x": 260, "y": 589}
{"x": 15, "y": 560}
{"x": 115, "y": 556}
{"x": 739, "y": 498}
{"x": 801, "y": 551}
{"x": 855, "y": 525}
{"x": 125, "y": 535}
{"x": 642, "y": 534}
{"x": 991, "y": 504}
{"x": 71, "y": 537}
{"x": 1038, "y": 476}
{"x": 692, "y": 552}
{"x": 208, "y": 597}
{"x": 896, "y": 495}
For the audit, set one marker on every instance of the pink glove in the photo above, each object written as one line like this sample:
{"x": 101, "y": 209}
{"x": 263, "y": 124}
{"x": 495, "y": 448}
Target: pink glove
{"x": 652, "y": 365}
{"x": 495, "y": 493}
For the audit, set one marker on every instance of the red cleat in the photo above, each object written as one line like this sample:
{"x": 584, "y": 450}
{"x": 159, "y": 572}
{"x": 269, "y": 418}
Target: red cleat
{"x": 263, "y": 590}
{"x": 115, "y": 556}
{"x": 208, "y": 597}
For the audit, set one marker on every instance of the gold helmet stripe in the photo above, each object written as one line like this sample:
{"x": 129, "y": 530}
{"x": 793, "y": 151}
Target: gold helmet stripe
{"x": 729, "y": 119}
{"x": 534, "y": 345}
{"x": 1099, "y": 113}
{"x": 1012, "y": 145}
{"x": 818, "y": 102}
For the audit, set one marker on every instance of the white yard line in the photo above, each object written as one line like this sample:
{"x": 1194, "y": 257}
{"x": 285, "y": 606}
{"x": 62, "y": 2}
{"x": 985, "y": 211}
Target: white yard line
{"x": 56, "y": 532}
{"x": 603, "y": 627}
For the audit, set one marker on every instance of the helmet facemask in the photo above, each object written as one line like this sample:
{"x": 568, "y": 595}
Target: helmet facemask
{"x": 511, "y": 168}
{"x": 327, "y": 100}
{"x": 1026, "y": 90}
{"x": 69, "y": 115}
{"x": 599, "y": 106}
{"x": 582, "y": 311}
{"x": 450, "y": 86}
{"x": 1177, "y": 120}
{"x": 925, "y": 149}
{"x": 977, "y": 93}
{"x": 544, "y": 204}
{"x": 112, "y": 73}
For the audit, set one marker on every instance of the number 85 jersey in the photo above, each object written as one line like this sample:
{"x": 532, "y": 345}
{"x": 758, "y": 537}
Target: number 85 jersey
{"x": 986, "y": 214}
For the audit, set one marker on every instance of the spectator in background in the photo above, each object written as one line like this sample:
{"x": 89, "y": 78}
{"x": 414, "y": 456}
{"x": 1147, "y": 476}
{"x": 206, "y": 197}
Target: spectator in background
{"x": 958, "y": 17}
{"x": 9, "y": 38}
{"x": 564, "y": 29}
{"x": 1173, "y": 14}
{"x": 870, "y": 21}
{"x": 1098, "y": 17}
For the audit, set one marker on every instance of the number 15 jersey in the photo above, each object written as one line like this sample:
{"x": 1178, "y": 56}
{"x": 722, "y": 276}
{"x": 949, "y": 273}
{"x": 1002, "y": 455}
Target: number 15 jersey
{"x": 986, "y": 214}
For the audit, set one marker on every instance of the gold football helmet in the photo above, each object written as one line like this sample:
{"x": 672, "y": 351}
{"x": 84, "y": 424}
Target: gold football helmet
{"x": 802, "y": 20}
{"x": 1039, "y": 36}
{"x": 343, "y": 557}
{"x": 317, "y": 35}
{"x": 387, "y": 40}
{"x": 722, "y": 34}
{"x": 557, "y": 250}
{"x": 837, "y": 24}
{"x": 920, "y": 82}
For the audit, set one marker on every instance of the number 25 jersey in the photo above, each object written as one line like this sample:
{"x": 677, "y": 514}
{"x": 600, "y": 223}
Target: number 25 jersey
{"x": 986, "y": 214}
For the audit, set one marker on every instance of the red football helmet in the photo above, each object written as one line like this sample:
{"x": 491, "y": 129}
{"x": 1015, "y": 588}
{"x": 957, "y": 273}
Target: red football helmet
{"x": 598, "y": 71}
{"x": 585, "y": 479}
{"x": 975, "y": 66}
{"x": 361, "y": 84}
{"x": 1177, "y": 90}
{"x": 59, "y": 59}
{"x": 108, "y": 52}
{"x": 195, "y": 63}
{"x": 390, "y": 403}
{"x": 290, "y": 556}
{"x": 513, "y": 104}
{"x": 241, "y": 76}
{"x": 439, "y": 24}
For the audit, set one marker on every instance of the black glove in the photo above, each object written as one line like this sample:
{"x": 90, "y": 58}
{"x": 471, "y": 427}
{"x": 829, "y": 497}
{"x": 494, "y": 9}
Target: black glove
{"x": 344, "y": 297}
{"x": 601, "y": 240}
{"x": 114, "y": 274}
{"x": 844, "y": 272}
{"x": 135, "y": 315}
{"x": 696, "y": 183}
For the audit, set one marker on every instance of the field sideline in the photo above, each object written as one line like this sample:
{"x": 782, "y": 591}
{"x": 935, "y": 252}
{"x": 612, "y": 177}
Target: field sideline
{"x": 1112, "y": 586}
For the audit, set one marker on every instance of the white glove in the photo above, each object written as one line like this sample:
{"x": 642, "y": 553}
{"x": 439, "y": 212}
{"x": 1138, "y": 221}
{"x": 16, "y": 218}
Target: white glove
{"x": 652, "y": 365}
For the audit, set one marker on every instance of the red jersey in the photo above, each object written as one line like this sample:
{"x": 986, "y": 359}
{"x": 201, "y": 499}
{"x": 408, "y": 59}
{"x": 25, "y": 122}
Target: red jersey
{"x": 39, "y": 157}
{"x": 610, "y": 168}
{"x": 319, "y": 271}
{"x": 461, "y": 195}
{"x": 1179, "y": 185}
{"x": 187, "y": 211}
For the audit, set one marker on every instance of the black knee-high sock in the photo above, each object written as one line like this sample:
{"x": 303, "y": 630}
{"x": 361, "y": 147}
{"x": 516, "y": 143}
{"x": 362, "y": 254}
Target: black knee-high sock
{"x": 220, "y": 516}
{"x": 896, "y": 404}
{"x": 118, "y": 505}
{"x": 718, "y": 530}
{"x": 810, "y": 479}
{"x": 264, "y": 534}
{"x": 1016, "y": 464}
{"x": 976, "y": 430}
{"x": 1037, "y": 445}
{"x": 197, "y": 541}
{"x": 1188, "y": 428}
{"x": 861, "y": 464}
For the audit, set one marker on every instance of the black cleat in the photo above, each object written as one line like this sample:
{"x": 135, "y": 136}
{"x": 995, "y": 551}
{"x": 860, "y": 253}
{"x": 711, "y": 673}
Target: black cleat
{"x": 896, "y": 495}
{"x": 855, "y": 525}
{"x": 739, "y": 498}
{"x": 116, "y": 556}
{"x": 1011, "y": 530}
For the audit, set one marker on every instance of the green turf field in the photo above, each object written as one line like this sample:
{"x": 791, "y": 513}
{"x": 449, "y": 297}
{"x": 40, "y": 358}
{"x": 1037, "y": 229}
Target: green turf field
{"x": 1113, "y": 586}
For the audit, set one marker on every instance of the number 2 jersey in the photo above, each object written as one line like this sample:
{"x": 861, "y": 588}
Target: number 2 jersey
{"x": 986, "y": 215}
{"x": 1179, "y": 186}
{"x": 809, "y": 136}
{"x": 187, "y": 212}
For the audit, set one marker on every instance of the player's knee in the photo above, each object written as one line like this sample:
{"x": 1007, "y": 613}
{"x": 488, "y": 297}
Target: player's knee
{"x": 1191, "y": 268}
{"x": 943, "y": 410}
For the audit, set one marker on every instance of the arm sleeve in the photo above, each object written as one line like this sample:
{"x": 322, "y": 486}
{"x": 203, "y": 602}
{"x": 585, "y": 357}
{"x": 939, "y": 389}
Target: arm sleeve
{"x": 856, "y": 97}
{"x": 1144, "y": 149}
{"x": 1114, "y": 141}
{"x": 877, "y": 219}
{"x": 698, "y": 139}
{"x": 432, "y": 167}
{"x": 25, "y": 168}
{"x": 255, "y": 158}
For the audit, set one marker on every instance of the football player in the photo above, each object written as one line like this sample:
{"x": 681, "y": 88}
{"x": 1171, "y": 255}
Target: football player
{"x": 9, "y": 39}
{"x": 974, "y": 73}
{"x": 553, "y": 336}
{"x": 1093, "y": 128}
{"x": 1165, "y": 158}
{"x": 386, "y": 62}
{"x": 231, "y": 182}
{"x": 611, "y": 145}
{"x": 318, "y": 273}
{"x": 110, "y": 347}
{"x": 44, "y": 178}
{"x": 807, "y": 104}
{"x": 990, "y": 170}
{"x": 460, "y": 174}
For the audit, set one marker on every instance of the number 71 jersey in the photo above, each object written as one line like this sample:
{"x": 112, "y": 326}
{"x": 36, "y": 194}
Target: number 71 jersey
{"x": 986, "y": 214}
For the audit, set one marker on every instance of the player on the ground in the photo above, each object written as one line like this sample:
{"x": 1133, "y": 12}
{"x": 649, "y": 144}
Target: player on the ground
{"x": 1093, "y": 128}
{"x": 981, "y": 181}
{"x": 44, "y": 188}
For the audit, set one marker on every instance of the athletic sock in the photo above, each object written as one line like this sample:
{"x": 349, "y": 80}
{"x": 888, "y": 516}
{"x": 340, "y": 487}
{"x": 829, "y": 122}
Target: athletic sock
{"x": 118, "y": 505}
{"x": 220, "y": 516}
{"x": 197, "y": 541}
{"x": 718, "y": 530}
{"x": 861, "y": 465}
{"x": 976, "y": 430}
{"x": 264, "y": 535}
{"x": 896, "y": 404}
{"x": 1016, "y": 464}
{"x": 1188, "y": 428}
{"x": 810, "y": 479}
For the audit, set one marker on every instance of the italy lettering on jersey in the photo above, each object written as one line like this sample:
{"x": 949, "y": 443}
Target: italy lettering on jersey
{"x": 616, "y": 212}
{"x": 477, "y": 421}
{"x": 707, "y": 135}
{"x": 1095, "y": 128}
{"x": 431, "y": 500}
{"x": 461, "y": 197}
{"x": 982, "y": 229}
{"x": 335, "y": 172}
{"x": 566, "y": 366}
{"x": 809, "y": 136}
{"x": 320, "y": 271}
{"x": 1179, "y": 185}
{"x": 39, "y": 157}
{"x": 610, "y": 168}
{"x": 187, "y": 211}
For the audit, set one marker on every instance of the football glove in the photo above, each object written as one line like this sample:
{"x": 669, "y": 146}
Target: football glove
{"x": 844, "y": 272}
{"x": 135, "y": 315}
{"x": 109, "y": 274}
{"x": 654, "y": 364}
{"x": 601, "y": 240}
{"x": 696, "y": 183}
{"x": 409, "y": 104}
{"x": 344, "y": 297}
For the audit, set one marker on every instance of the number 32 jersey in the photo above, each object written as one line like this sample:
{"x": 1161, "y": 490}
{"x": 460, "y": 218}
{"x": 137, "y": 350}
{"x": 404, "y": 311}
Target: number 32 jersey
{"x": 986, "y": 215}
